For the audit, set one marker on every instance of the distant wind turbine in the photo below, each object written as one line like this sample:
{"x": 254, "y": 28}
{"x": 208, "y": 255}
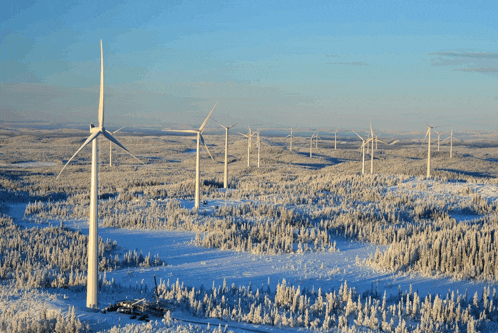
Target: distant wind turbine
{"x": 200, "y": 139}
{"x": 451, "y": 143}
{"x": 371, "y": 140}
{"x": 438, "y": 137}
{"x": 335, "y": 139}
{"x": 258, "y": 141}
{"x": 311, "y": 144}
{"x": 363, "y": 143}
{"x": 372, "y": 154}
{"x": 249, "y": 137}
{"x": 428, "y": 133}
{"x": 92, "y": 278}
{"x": 110, "y": 146}
{"x": 225, "y": 178}
{"x": 258, "y": 144}
{"x": 291, "y": 136}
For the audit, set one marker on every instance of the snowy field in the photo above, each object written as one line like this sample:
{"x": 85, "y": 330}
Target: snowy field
{"x": 150, "y": 210}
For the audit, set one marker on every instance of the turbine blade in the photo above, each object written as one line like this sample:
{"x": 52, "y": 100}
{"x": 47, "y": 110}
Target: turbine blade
{"x": 101, "y": 99}
{"x": 232, "y": 126}
{"x": 88, "y": 140}
{"x": 221, "y": 124}
{"x": 118, "y": 130}
{"x": 109, "y": 137}
{"x": 207, "y": 118}
{"x": 247, "y": 136}
{"x": 358, "y": 135}
{"x": 364, "y": 143}
{"x": 371, "y": 129}
{"x": 206, "y": 147}
{"x": 180, "y": 131}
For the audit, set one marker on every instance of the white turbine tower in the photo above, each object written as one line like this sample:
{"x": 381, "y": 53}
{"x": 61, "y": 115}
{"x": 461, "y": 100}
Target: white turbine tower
{"x": 372, "y": 139}
{"x": 291, "y": 136}
{"x": 225, "y": 178}
{"x": 363, "y": 144}
{"x": 335, "y": 139}
{"x": 249, "y": 137}
{"x": 258, "y": 144}
{"x": 451, "y": 143}
{"x": 92, "y": 278}
{"x": 428, "y": 133}
{"x": 110, "y": 146}
{"x": 311, "y": 144}
{"x": 258, "y": 141}
{"x": 200, "y": 139}
{"x": 372, "y": 144}
{"x": 438, "y": 137}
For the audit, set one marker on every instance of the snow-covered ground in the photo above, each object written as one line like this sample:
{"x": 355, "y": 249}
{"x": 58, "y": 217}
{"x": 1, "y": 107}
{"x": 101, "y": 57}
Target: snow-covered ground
{"x": 30, "y": 164}
{"x": 194, "y": 266}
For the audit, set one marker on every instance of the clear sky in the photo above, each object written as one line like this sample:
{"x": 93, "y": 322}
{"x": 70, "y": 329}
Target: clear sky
{"x": 318, "y": 64}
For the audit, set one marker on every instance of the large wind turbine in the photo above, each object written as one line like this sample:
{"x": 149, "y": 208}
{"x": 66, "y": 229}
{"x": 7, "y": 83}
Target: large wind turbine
{"x": 225, "y": 178}
{"x": 110, "y": 146}
{"x": 200, "y": 139}
{"x": 92, "y": 278}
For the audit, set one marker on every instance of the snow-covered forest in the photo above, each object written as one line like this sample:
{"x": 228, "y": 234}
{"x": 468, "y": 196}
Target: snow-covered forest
{"x": 291, "y": 209}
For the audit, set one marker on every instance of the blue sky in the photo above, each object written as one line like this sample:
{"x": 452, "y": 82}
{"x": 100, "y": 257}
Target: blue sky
{"x": 317, "y": 64}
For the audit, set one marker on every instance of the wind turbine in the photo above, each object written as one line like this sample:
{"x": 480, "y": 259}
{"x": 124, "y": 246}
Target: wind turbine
{"x": 258, "y": 141}
{"x": 429, "y": 148}
{"x": 335, "y": 139}
{"x": 200, "y": 139}
{"x": 92, "y": 278}
{"x": 258, "y": 144}
{"x": 225, "y": 178}
{"x": 110, "y": 146}
{"x": 372, "y": 154}
{"x": 371, "y": 140}
{"x": 248, "y": 136}
{"x": 291, "y": 136}
{"x": 311, "y": 144}
{"x": 451, "y": 143}
{"x": 363, "y": 144}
